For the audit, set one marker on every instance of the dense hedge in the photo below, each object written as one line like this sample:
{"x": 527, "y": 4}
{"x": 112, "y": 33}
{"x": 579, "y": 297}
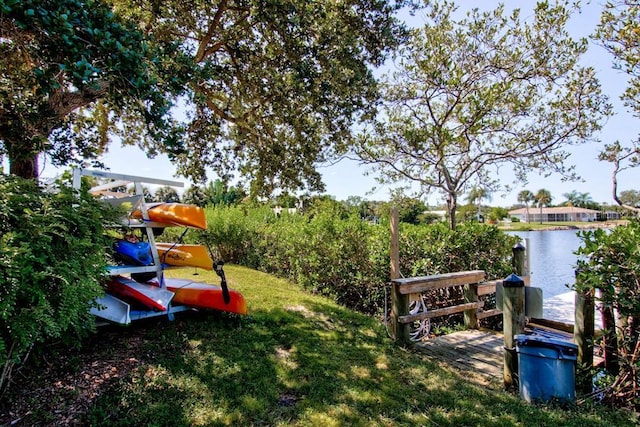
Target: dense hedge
{"x": 52, "y": 248}
{"x": 346, "y": 258}
{"x": 610, "y": 264}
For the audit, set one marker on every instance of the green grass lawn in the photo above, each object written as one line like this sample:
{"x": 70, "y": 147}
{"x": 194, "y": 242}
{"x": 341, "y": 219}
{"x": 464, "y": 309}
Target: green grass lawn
{"x": 301, "y": 360}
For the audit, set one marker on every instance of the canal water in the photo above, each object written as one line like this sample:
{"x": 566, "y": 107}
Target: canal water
{"x": 552, "y": 268}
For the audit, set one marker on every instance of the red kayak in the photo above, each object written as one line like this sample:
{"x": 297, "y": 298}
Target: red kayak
{"x": 148, "y": 295}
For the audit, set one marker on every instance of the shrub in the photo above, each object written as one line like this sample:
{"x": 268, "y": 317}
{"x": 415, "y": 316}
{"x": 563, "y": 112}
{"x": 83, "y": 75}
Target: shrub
{"x": 233, "y": 232}
{"x": 436, "y": 249}
{"x": 610, "y": 263}
{"x": 52, "y": 256}
{"x": 346, "y": 258}
{"x": 336, "y": 262}
{"x": 229, "y": 231}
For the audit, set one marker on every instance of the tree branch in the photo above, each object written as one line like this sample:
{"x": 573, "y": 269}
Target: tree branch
{"x": 213, "y": 27}
{"x": 62, "y": 102}
{"x": 616, "y": 169}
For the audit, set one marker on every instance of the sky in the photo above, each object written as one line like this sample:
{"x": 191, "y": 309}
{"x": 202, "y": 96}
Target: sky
{"x": 347, "y": 178}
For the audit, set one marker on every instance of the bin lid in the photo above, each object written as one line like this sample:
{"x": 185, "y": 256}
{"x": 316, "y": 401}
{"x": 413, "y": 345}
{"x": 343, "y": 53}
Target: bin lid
{"x": 534, "y": 340}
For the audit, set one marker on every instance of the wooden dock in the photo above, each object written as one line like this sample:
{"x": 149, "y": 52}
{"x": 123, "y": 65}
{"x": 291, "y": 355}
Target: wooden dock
{"x": 477, "y": 351}
{"x": 480, "y": 351}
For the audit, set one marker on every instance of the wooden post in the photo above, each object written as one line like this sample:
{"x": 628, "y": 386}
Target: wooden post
{"x": 583, "y": 333}
{"x": 395, "y": 246}
{"x": 513, "y": 324}
{"x": 609, "y": 336}
{"x": 399, "y": 302}
{"x": 470, "y": 316}
{"x": 400, "y": 307}
{"x": 519, "y": 259}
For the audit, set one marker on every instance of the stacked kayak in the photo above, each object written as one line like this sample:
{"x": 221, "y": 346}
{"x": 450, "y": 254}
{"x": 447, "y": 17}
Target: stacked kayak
{"x": 179, "y": 214}
{"x": 182, "y": 255}
{"x": 136, "y": 287}
{"x": 149, "y": 296}
{"x": 176, "y": 291}
{"x": 204, "y": 296}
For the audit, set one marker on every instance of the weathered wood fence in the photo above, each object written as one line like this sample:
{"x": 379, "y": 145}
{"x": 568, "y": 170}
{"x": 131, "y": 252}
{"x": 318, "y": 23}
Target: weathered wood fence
{"x": 404, "y": 290}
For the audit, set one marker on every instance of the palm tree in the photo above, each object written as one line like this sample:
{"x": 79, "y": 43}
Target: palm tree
{"x": 476, "y": 195}
{"x": 195, "y": 195}
{"x": 580, "y": 200}
{"x": 585, "y": 201}
{"x": 148, "y": 196}
{"x": 543, "y": 198}
{"x": 526, "y": 197}
{"x": 572, "y": 198}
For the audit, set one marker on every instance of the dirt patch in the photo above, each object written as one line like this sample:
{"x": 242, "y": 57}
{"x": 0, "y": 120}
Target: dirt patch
{"x": 60, "y": 386}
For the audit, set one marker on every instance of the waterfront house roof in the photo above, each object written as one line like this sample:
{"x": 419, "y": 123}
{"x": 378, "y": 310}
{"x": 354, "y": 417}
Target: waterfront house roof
{"x": 554, "y": 210}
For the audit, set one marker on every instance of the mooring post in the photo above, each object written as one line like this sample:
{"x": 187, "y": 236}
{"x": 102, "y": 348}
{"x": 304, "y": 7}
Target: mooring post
{"x": 395, "y": 246}
{"x": 513, "y": 324}
{"x": 519, "y": 259}
{"x": 399, "y": 302}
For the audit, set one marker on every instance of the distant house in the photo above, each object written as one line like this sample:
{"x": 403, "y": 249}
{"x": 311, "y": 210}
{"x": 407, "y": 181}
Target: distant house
{"x": 611, "y": 215}
{"x": 279, "y": 209}
{"x": 558, "y": 214}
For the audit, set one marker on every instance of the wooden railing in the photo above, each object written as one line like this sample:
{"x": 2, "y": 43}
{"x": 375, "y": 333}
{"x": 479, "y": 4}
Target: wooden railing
{"x": 404, "y": 290}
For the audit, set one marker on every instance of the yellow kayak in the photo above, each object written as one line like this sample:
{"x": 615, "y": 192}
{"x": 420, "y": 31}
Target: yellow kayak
{"x": 183, "y": 255}
{"x": 175, "y": 214}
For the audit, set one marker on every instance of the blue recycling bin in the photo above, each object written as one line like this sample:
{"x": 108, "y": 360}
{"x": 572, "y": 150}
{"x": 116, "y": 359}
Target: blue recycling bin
{"x": 546, "y": 368}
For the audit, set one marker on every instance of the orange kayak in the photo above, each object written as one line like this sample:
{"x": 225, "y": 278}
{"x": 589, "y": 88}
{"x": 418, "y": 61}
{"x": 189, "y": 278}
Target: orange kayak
{"x": 175, "y": 214}
{"x": 184, "y": 255}
{"x": 204, "y": 295}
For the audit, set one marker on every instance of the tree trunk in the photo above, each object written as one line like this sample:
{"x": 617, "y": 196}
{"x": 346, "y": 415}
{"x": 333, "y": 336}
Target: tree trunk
{"x": 540, "y": 214}
{"x": 616, "y": 170}
{"x": 24, "y": 167}
{"x": 25, "y": 143}
{"x": 452, "y": 205}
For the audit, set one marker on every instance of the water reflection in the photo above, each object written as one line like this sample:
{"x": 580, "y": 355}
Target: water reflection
{"x": 552, "y": 258}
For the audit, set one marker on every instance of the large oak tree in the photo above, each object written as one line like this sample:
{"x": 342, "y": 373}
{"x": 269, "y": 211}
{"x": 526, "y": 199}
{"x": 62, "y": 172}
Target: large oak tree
{"x": 60, "y": 57}
{"x": 267, "y": 88}
{"x": 278, "y": 85}
{"x": 475, "y": 93}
